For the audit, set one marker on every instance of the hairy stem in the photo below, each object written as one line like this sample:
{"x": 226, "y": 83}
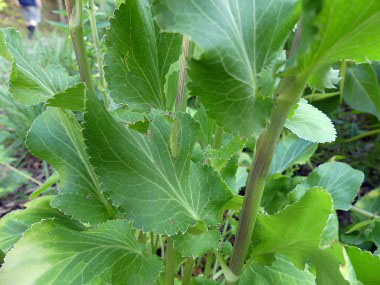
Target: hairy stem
{"x": 169, "y": 264}
{"x": 290, "y": 91}
{"x": 189, "y": 265}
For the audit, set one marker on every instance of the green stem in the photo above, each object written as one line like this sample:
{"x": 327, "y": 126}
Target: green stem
{"x": 54, "y": 178}
{"x": 21, "y": 173}
{"x": 218, "y": 138}
{"x": 342, "y": 74}
{"x": 290, "y": 91}
{"x": 170, "y": 262}
{"x": 189, "y": 265}
{"x": 363, "y": 135}
{"x": 152, "y": 243}
{"x": 320, "y": 96}
{"x": 228, "y": 274}
{"x": 99, "y": 55}
{"x": 209, "y": 259}
{"x": 364, "y": 213}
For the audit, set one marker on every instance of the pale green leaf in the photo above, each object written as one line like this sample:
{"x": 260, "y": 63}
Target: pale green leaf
{"x": 207, "y": 127}
{"x": 158, "y": 192}
{"x": 194, "y": 245}
{"x": 370, "y": 202}
{"x": 243, "y": 40}
{"x": 138, "y": 57}
{"x": 72, "y": 98}
{"x": 310, "y": 124}
{"x": 339, "y": 179}
{"x": 362, "y": 88}
{"x": 281, "y": 271}
{"x": 234, "y": 175}
{"x": 56, "y": 255}
{"x": 324, "y": 78}
{"x": 296, "y": 232}
{"x": 56, "y": 138}
{"x": 331, "y": 231}
{"x": 31, "y": 84}
{"x": 14, "y": 224}
{"x": 289, "y": 151}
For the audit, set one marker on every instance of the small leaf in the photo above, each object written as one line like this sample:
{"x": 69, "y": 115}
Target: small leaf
{"x": 281, "y": 271}
{"x": 310, "y": 124}
{"x": 324, "y": 78}
{"x": 339, "y": 179}
{"x": 57, "y": 255}
{"x": 72, "y": 98}
{"x": 138, "y": 57}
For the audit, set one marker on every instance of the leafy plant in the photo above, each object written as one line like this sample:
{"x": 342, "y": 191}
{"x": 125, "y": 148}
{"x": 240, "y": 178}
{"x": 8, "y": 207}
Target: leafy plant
{"x": 149, "y": 183}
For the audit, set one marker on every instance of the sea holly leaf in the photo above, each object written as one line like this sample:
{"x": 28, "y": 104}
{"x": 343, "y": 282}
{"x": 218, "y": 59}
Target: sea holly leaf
{"x": 14, "y": 224}
{"x": 339, "y": 179}
{"x": 241, "y": 40}
{"x": 138, "y": 57}
{"x": 281, "y": 271}
{"x": 310, "y": 124}
{"x": 366, "y": 265}
{"x": 157, "y": 191}
{"x": 362, "y": 88}
{"x": 71, "y": 98}
{"x": 344, "y": 31}
{"x": 29, "y": 83}
{"x": 56, "y": 138}
{"x": 289, "y": 151}
{"x": 57, "y": 255}
{"x": 296, "y": 232}
{"x": 194, "y": 245}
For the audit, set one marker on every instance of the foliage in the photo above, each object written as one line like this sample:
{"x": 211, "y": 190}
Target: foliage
{"x": 148, "y": 188}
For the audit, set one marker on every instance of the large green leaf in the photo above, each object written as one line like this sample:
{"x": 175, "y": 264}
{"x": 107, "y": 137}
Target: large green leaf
{"x": 56, "y": 255}
{"x": 281, "y": 271}
{"x": 362, "y": 88}
{"x": 289, "y": 151}
{"x": 13, "y": 225}
{"x": 366, "y": 265}
{"x": 339, "y": 179}
{"x": 242, "y": 40}
{"x": 345, "y": 30}
{"x": 138, "y": 57}
{"x": 31, "y": 84}
{"x": 157, "y": 191}
{"x": 296, "y": 232}
{"x": 56, "y": 138}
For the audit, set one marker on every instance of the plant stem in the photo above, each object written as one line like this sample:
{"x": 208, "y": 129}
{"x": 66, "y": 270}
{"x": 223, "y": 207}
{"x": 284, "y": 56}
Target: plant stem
{"x": 364, "y": 213}
{"x": 342, "y": 74}
{"x": 21, "y": 173}
{"x": 99, "y": 55}
{"x": 209, "y": 259}
{"x": 169, "y": 264}
{"x": 320, "y": 96}
{"x": 189, "y": 265}
{"x": 363, "y": 135}
{"x": 290, "y": 91}
{"x": 218, "y": 138}
{"x": 152, "y": 243}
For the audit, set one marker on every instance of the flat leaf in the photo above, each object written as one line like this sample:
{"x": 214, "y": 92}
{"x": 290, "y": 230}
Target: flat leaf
{"x": 243, "y": 40}
{"x": 138, "y": 57}
{"x": 310, "y": 124}
{"x": 296, "y": 232}
{"x": 339, "y": 179}
{"x": 194, "y": 245}
{"x": 289, "y": 151}
{"x": 158, "y": 192}
{"x": 362, "y": 88}
{"x": 370, "y": 202}
{"x": 234, "y": 175}
{"x": 56, "y": 138}
{"x": 57, "y": 255}
{"x": 324, "y": 78}
{"x": 366, "y": 265}
{"x": 281, "y": 271}
{"x": 31, "y": 84}
{"x": 72, "y": 98}
{"x": 14, "y": 224}
{"x": 207, "y": 127}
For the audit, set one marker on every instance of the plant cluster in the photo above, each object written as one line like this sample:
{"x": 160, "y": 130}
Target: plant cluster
{"x": 152, "y": 159}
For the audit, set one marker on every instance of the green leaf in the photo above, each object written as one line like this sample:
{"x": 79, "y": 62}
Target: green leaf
{"x": 14, "y": 224}
{"x": 344, "y": 31}
{"x": 194, "y": 245}
{"x": 289, "y": 151}
{"x": 234, "y": 175}
{"x": 324, "y": 78}
{"x": 138, "y": 57}
{"x": 56, "y": 138}
{"x": 339, "y": 179}
{"x": 310, "y": 124}
{"x": 369, "y": 202}
{"x": 362, "y": 88}
{"x": 331, "y": 231}
{"x": 57, "y": 255}
{"x": 72, "y": 98}
{"x": 243, "y": 41}
{"x": 207, "y": 127}
{"x": 158, "y": 192}
{"x": 296, "y": 232}
{"x": 31, "y": 84}
{"x": 281, "y": 271}
{"x": 366, "y": 265}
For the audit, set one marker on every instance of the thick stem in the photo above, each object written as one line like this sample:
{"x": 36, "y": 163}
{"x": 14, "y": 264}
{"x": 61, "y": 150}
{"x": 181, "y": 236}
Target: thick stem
{"x": 189, "y": 265}
{"x": 218, "y": 138}
{"x": 170, "y": 262}
{"x": 209, "y": 260}
{"x": 290, "y": 91}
